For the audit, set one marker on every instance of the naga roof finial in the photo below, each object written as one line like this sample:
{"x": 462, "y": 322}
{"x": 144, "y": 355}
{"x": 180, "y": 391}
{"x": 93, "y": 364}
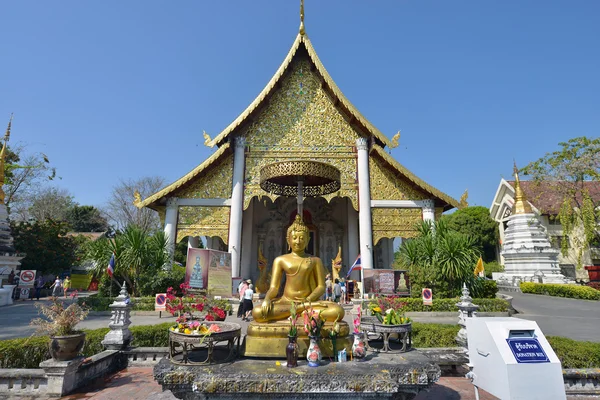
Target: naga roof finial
{"x": 302, "y": 31}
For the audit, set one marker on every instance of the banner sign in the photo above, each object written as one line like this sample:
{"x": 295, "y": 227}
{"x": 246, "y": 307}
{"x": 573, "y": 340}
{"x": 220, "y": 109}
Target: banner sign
{"x": 209, "y": 270}
{"x": 27, "y": 277}
{"x": 160, "y": 302}
{"x": 527, "y": 351}
{"x": 427, "y": 297}
{"x": 385, "y": 281}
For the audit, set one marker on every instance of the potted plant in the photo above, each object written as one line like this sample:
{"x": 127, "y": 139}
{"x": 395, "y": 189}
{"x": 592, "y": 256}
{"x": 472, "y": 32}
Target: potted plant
{"x": 65, "y": 341}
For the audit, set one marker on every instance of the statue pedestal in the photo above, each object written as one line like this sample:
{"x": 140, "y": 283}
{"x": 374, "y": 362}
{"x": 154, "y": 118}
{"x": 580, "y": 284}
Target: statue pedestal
{"x": 381, "y": 376}
{"x": 269, "y": 340}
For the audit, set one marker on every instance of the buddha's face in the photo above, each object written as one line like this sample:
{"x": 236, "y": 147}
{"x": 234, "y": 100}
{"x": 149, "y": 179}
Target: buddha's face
{"x": 298, "y": 240}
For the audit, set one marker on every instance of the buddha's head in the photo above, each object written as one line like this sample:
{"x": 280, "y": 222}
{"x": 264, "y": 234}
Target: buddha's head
{"x": 297, "y": 235}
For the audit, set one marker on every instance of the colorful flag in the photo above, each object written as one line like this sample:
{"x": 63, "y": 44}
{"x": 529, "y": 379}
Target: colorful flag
{"x": 357, "y": 265}
{"x": 111, "y": 265}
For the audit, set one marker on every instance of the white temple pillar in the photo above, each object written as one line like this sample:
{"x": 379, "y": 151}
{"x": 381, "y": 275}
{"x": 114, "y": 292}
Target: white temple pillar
{"x": 364, "y": 208}
{"x": 428, "y": 207}
{"x": 171, "y": 227}
{"x": 237, "y": 204}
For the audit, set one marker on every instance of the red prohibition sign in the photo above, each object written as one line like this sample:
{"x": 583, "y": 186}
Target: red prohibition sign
{"x": 161, "y": 299}
{"x": 426, "y": 294}
{"x": 27, "y": 276}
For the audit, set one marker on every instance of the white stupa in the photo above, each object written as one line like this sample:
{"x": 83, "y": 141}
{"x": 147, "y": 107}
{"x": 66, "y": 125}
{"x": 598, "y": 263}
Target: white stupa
{"x": 9, "y": 259}
{"x": 528, "y": 254}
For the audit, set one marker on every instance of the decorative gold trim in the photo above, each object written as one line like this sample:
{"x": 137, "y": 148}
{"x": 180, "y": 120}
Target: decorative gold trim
{"x": 521, "y": 205}
{"x": 337, "y": 93}
{"x": 203, "y": 221}
{"x": 150, "y": 201}
{"x": 395, "y": 222}
{"x": 449, "y": 202}
{"x": 282, "y": 178}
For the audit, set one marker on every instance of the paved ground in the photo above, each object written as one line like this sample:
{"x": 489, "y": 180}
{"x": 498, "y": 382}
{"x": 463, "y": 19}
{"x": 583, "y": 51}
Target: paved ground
{"x": 556, "y": 316}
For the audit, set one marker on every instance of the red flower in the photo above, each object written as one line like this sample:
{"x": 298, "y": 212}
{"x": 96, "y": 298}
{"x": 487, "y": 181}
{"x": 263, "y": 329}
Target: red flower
{"x": 209, "y": 317}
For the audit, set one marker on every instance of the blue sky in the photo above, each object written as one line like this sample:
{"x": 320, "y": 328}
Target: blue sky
{"x": 115, "y": 90}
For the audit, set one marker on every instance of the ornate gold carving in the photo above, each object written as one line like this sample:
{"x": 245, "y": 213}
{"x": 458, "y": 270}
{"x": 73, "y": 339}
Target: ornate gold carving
{"x": 300, "y": 122}
{"x": 395, "y": 140}
{"x": 207, "y": 140}
{"x": 464, "y": 200}
{"x": 282, "y": 178}
{"x": 203, "y": 221}
{"x": 216, "y": 184}
{"x": 395, "y": 222}
{"x": 387, "y": 185}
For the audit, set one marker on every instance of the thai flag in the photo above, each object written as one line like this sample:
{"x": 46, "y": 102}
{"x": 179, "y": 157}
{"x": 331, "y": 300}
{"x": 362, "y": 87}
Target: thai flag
{"x": 357, "y": 265}
{"x": 111, "y": 265}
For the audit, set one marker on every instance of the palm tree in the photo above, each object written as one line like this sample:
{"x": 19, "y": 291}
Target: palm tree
{"x": 440, "y": 258}
{"x": 136, "y": 252}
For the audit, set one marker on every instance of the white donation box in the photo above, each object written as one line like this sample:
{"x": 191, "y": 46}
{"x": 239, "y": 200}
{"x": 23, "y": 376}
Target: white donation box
{"x": 512, "y": 359}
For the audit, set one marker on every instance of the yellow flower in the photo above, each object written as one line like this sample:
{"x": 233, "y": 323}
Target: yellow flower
{"x": 187, "y": 331}
{"x": 377, "y": 309}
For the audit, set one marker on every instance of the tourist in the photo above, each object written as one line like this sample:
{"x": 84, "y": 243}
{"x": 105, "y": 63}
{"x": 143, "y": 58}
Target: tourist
{"x": 241, "y": 289}
{"x": 343, "y": 287}
{"x": 39, "y": 284}
{"x": 337, "y": 291}
{"x": 56, "y": 287}
{"x": 66, "y": 285}
{"x": 11, "y": 278}
{"x": 248, "y": 294}
{"x": 328, "y": 287}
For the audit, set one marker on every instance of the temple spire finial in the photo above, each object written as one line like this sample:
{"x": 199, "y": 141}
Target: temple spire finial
{"x": 521, "y": 205}
{"x": 3, "y": 157}
{"x": 302, "y": 31}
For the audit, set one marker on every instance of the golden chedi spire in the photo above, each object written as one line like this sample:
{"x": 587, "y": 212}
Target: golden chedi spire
{"x": 302, "y": 31}
{"x": 3, "y": 158}
{"x": 521, "y": 205}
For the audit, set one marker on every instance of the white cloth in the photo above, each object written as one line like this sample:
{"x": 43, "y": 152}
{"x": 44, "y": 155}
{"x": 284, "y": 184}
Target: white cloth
{"x": 248, "y": 294}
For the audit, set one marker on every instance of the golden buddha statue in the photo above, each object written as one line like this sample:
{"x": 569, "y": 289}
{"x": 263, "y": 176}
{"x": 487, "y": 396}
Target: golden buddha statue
{"x": 305, "y": 282}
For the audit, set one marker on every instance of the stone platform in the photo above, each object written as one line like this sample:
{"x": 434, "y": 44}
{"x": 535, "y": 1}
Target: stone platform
{"x": 381, "y": 376}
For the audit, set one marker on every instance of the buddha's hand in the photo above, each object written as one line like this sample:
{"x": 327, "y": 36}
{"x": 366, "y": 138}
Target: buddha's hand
{"x": 266, "y": 307}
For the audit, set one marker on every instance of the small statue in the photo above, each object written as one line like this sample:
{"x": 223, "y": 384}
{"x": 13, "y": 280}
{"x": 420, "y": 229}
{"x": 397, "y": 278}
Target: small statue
{"x": 265, "y": 276}
{"x": 305, "y": 282}
{"x": 336, "y": 265}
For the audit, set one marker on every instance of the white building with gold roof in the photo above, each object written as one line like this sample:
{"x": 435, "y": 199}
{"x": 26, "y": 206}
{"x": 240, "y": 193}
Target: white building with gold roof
{"x": 301, "y": 114}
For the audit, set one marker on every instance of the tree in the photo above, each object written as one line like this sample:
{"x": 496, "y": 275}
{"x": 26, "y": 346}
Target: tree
{"x": 86, "y": 219}
{"x": 24, "y": 174}
{"x": 46, "y": 245}
{"x": 477, "y": 223}
{"x": 51, "y": 203}
{"x": 121, "y": 210}
{"x": 441, "y": 259}
{"x": 571, "y": 169}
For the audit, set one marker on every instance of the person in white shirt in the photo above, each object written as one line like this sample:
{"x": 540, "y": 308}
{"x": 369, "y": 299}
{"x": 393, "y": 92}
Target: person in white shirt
{"x": 248, "y": 305}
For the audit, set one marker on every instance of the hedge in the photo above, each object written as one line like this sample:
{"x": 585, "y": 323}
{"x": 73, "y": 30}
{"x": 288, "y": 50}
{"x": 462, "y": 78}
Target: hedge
{"x": 98, "y": 303}
{"x": 440, "y": 305}
{"x": 558, "y": 290}
{"x": 29, "y": 352}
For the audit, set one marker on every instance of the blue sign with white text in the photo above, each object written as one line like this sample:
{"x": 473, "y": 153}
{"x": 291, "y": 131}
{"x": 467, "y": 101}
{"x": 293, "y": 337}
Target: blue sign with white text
{"x": 527, "y": 350}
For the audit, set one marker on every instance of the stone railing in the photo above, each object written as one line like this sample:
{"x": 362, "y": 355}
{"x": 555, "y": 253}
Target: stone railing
{"x": 145, "y": 356}
{"x": 23, "y": 382}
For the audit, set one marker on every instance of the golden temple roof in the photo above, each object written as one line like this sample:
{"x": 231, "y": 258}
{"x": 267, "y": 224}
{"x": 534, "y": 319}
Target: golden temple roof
{"x": 446, "y": 202}
{"x": 338, "y": 96}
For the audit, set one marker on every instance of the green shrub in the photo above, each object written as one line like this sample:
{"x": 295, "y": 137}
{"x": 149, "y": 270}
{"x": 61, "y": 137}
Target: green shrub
{"x": 574, "y": 354}
{"x": 491, "y": 267}
{"x": 98, "y": 303}
{"x": 434, "y": 335}
{"x": 440, "y": 305}
{"x": 488, "y": 289}
{"x": 558, "y": 290}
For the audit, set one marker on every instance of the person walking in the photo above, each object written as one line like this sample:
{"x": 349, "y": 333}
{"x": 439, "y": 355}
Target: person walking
{"x": 328, "y": 288}
{"x": 56, "y": 286}
{"x": 39, "y": 284}
{"x": 343, "y": 287}
{"x": 66, "y": 285}
{"x": 241, "y": 289}
{"x": 248, "y": 305}
{"x": 337, "y": 291}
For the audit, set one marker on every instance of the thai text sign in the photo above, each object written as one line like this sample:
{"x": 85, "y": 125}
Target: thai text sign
{"x": 527, "y": 350}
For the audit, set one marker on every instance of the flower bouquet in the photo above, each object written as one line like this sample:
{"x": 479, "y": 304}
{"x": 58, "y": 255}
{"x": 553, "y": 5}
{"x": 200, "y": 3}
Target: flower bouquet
{"x": 313, "y": 323}
{"x": 393, "y": 315}
{"x": 195, "y": 328}
{"x": 187, "y": 304}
